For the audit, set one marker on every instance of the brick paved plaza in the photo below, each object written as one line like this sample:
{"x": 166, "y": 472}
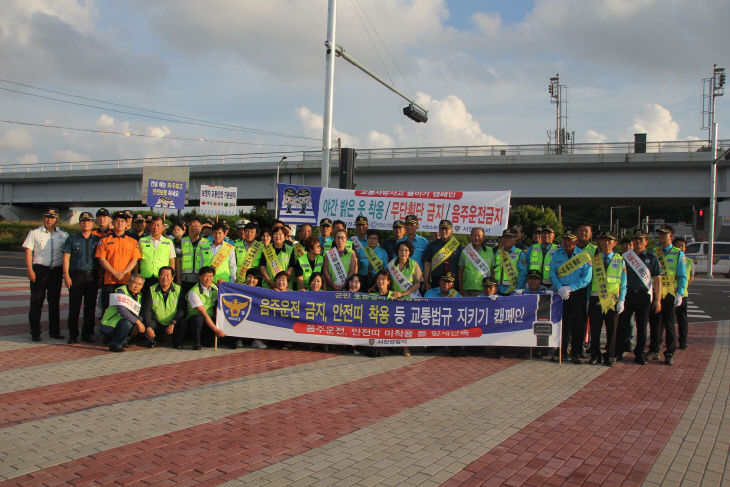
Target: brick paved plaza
{"x": 79, "y": 415}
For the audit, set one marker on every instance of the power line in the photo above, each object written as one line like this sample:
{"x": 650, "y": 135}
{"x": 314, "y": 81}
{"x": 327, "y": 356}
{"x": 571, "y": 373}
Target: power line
{"x": 134, "y": 134}
{"x": 177, "y": 119}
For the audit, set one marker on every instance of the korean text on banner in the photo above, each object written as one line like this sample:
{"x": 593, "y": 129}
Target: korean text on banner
{"x": 361, "y": 319}
{"x": 218, "y": 200}
{"x": 166, "y": 194}
{"x": 466, "y": 209}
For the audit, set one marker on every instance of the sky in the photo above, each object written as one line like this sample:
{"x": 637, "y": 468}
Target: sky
{"x": 107, "y": 80}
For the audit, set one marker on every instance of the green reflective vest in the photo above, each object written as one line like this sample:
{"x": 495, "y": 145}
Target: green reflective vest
{"x": 472, "y": 278}
{"x": 209, "y": 302}
{"x": 242, "y": 253}
{"x": 688, "y": 265}
{"x": 153, "y": 258}
{"x": 346, "y": 259}
{"x": 111, "y": 316}
{"x": 500, "y": 277}
{"x": 541, "y": 262}
{"x": 283, "y": 257}
{"x": 193, "y": 258}
{"x": 164, "y": 311}
{"x": 407, "y": 271}
{"x": 613, "y": 275}
{"x": 590, "y": 248}
{"x": 307, "y": 269}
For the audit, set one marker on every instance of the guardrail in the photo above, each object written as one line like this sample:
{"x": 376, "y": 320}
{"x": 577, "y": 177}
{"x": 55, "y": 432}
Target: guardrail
{"x": 677, "y": 146}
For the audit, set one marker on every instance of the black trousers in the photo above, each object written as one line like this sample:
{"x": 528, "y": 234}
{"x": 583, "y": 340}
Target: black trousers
{"x": 680, "y": 313}
{"x": 84, "y": 288}
{"x": 663, "y": 321}
{"x": 638, "y": 305}
{"x": 598, "y": 319}
{"x": 574, "y": 322}
{"x": 47, "y": 284}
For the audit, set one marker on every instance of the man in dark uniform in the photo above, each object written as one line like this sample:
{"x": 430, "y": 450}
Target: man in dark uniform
{"x": 643, "y": 285}
{"x": 441, "y": 255}
{"x": 137, "y": 230}
{"x": 80, "y": 273}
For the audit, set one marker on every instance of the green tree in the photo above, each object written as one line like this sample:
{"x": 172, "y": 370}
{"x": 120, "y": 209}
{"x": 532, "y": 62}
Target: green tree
{"x": 531, "y": 217}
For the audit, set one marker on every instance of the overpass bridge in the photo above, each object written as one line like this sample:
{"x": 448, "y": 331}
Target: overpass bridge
{"x": 669, "y": 173}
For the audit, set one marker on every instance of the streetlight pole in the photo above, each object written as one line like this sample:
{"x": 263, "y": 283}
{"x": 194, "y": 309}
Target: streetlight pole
{"x": 328, "y": 94}
{"x": 276, "y": 188}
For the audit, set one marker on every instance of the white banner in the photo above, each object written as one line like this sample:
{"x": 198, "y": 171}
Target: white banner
{"x": 218, "y": 200}
{"x": 466, "y": 209}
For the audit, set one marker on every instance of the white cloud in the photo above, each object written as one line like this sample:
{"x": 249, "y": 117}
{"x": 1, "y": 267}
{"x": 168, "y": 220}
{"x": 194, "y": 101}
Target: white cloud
{"x": 158, "y": 131}
{"x": 488, "y": 24}
{"x": 105, "y": 121}
{"x": 68, "y": 155}
{"x": 593, "y": 137}
{"x": 313, "y": 124}
{"x": 656, "y": 122}
{"x": 29, "y": 159}
{"x": 16, "y": 139}
{"x": 449, "y": 123}
{"x": 377, "y": 139}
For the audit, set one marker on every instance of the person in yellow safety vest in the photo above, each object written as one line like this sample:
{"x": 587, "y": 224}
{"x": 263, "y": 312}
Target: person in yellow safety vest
{"x": 336, "y": 278}
{"x": 277, "y": 257}
{"x": 196, "y": 253}
{"x": 681, "y": 310}
{"x": 157, "y": 251}
{"x": 123, "y": 314}
{"x": 584, "y": 232}
{"x": 201, "y": 310}
{"x": 309, "y": 263}
{"x": 165, "y": 308}
{"x": 224, "y": 256}
{"x": 674, "y": 285}
{"x": 501, "y": 273}
{"x": 244, "y": 247}
{"x": 541, "y": 254}
{"x": 470, "y": 276}
{"x": 608, "y": 292}
{"x": 403, "y": 265}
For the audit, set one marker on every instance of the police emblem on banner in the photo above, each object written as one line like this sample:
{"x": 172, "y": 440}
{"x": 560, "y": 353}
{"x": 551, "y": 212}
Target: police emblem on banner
{"x": 235, "y": 308}
{"x": 371, "y": 341}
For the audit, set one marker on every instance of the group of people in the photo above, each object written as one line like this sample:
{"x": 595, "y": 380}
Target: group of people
{"x": 156, "y": 288}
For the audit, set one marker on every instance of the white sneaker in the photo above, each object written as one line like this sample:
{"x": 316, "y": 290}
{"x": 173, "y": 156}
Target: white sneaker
{"x": 258, "y": 344}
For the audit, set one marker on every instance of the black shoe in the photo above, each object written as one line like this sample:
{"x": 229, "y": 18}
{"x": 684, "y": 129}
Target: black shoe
{"x": 178, "y": 347}
{"x": 197, "y": 347}
{"x": 577, "y": 360}
{"x": 609, "y": 362}
{"x": 654, "y": 356}
{"x": 106, "y": 340}
{"x": 619, "y": 358}
{"x": 151, "y": 344}
{"x": 87, "y": 339}
{"x": 57, "y": 336}
{"x": 640, "y": 361}
{"x": 669, "y": 360}
{"x": 628, "y": 348}
{"x": 71, "y": 341}
{"x": 36, "y": 338}
{"x": 683, "y": 346}
{"x": 594, "y": 360}
{"x": 115, "y": 349}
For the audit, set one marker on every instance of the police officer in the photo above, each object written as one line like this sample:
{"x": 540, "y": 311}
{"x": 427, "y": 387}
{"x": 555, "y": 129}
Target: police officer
{"x": 156, "y": 251}
{"x": 441, "y": 255}
{"x": 80, "y": 273}
{"x": 419, "y": 243}
{"x": 608, "y": 292}
{"x": 196, "y": 254}
{"x": 540, "y": 254}
{"x": 674, "y": 285}
{"x": 128, "y": 216}
{"x": 248, "y": 251}
{"x": 643, "y": 287}
{"x": 371, "y": 259}
{"x": 43, "y": 262}
{"x": 517, "y": 230}
{"x": 510, "y": 265}
{"x": 138, "y": 224}
{"x": 681, "y": 310}
{"x": 445, "y": 289}
{"x": 399, "y": 232}
{"x": 325, "y": 233}
{"x": 571, "y": 274}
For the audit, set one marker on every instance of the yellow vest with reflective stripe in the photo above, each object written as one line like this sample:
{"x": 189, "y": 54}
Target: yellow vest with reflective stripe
{"x": 613, "y": 275}
{"x": 540, "y": 262}
{"x": 164, "y": 311}
{"x": 153, "y": 258}
{"x": 192, "y": 265}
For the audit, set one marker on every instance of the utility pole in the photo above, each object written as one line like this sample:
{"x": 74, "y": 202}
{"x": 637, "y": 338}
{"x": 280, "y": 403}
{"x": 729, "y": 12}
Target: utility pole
{"x": 329, "y": 88}
{"x": 713, "y": 87}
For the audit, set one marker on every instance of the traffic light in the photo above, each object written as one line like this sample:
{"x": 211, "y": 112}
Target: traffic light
{"x": 415, "y": 113}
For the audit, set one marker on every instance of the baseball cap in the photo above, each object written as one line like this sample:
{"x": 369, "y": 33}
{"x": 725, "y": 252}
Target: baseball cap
{"x": 361, "y": 220}
{"x": 665, "y": 229}
{"x": 606, "y": 235}
{"x": 102, "y": 212}
{"x": 398, "y": 224}
{"x": 85, "y": 216}
{"x": 534, "y": 273}
{"x": 138, "y": 217}
{"x": 325, "y": 222}
{"x": 445, "y": 224}
{"x": 51, "y": 213}
{"x": 411, "y": 219}
{"x": 508, "y": 234}
{"x": 448, "y": 277}
{"x": 118, "y": 214}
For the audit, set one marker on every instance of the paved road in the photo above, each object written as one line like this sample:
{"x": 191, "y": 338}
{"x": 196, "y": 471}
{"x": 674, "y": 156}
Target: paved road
{"x": 79, "y": 415}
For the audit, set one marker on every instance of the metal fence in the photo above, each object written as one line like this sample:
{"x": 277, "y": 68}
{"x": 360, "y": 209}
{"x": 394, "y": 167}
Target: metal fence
{"x": 497, "y": 151}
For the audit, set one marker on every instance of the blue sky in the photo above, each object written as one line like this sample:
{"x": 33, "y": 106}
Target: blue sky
{"x": 480, "y": 67}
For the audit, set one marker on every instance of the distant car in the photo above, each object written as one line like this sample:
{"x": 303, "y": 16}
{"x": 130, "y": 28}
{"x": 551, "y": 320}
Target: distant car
{"x": 697, "y": 251}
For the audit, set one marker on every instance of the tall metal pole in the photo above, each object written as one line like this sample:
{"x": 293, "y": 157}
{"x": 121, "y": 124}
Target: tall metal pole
{"x": 713, "y": 197}
{"x": 328, "y": 94}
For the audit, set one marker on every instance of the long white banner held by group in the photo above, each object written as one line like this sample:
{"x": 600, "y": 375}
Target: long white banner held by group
{"x": 466, "y": 209}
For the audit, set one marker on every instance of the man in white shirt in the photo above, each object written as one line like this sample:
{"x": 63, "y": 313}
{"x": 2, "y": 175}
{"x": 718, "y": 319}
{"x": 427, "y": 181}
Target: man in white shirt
{"x": 43, "y": 261}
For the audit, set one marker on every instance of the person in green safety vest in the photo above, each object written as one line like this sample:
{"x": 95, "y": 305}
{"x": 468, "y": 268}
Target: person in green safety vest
{"x": 307, "y": 264}
{"x": 157, "y": 251}
{"x": 201, "y": 310}
{"x": 475, "y": 263}
{"x": 224, "y": 255}
{"x": 277, "y": 257}
{"x": 196, "y": 253}
{"x": 337, "y": 270}
{"x": 165, "y": 308}
{"x": 122, "y": 317}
